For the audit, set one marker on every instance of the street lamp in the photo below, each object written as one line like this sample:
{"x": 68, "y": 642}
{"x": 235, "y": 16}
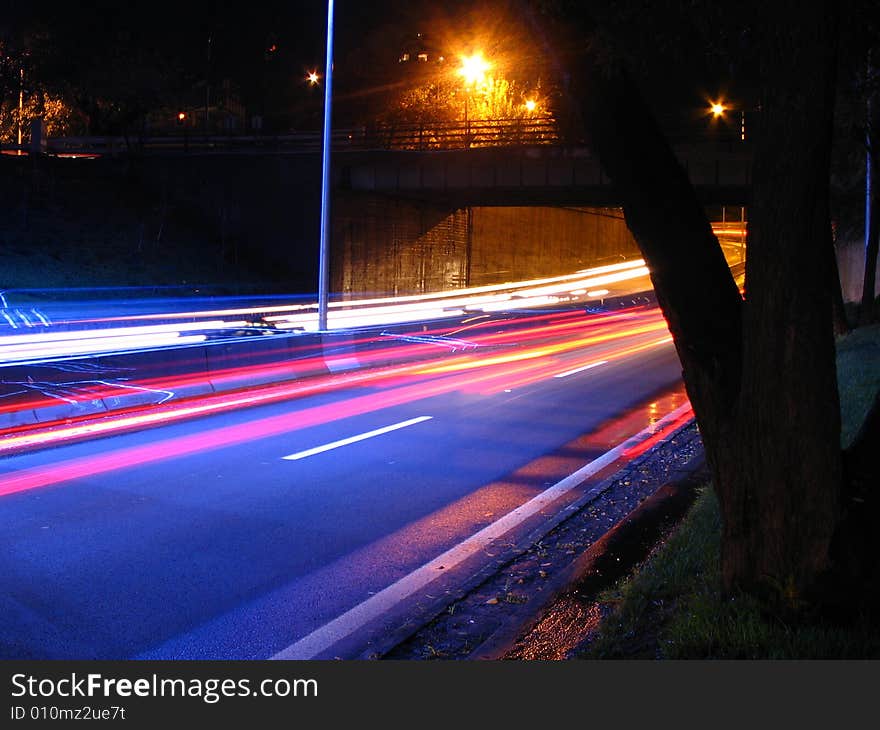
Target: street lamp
{"x": 718, "y": 108}
{"x": 20, "y": 104}
{"x": 473, "y": 69}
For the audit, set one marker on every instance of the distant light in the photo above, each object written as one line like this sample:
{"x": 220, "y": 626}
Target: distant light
{"x": 473, "y": 68}
{"x": 312, "y": 78}
{"x": 718, "y": 109}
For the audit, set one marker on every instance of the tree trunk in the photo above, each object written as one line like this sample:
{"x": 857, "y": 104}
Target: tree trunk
{"x": 761, "y": 374}
{"x": 856, "y": 544}
{"x": 781, "y": 505}
{"x": 693, "y": 283}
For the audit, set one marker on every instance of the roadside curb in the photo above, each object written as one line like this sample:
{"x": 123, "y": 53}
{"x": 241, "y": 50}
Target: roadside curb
{"x": 499, "y": 605}
{"x": 600, "y": 566}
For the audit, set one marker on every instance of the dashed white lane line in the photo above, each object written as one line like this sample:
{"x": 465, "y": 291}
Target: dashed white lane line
{"x": 346, "y": 624}
{"x": 581, "y": 369}
{"x": 355, "y": 439}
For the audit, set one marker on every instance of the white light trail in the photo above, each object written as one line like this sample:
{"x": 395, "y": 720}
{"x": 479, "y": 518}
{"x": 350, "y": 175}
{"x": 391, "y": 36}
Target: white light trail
{"x": 79, "y": 341}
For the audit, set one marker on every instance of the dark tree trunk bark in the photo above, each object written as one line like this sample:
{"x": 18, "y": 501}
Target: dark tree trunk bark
{"x": 857, "y": 543}
{"x": 760, "y": 374}
{"x": 781, "y": 507}
{"x": 693, "y": 284}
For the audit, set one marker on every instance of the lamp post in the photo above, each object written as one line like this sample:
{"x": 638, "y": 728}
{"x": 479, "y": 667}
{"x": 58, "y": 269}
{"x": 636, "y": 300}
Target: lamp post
{"x": 20, "y": 104}
{"x": 467, "y": 124}
{"x": 324, "y": 253}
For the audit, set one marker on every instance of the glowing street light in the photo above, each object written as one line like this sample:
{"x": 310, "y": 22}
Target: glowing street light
{"x": 473, "y": 69}
{"x": 719, "y": 108}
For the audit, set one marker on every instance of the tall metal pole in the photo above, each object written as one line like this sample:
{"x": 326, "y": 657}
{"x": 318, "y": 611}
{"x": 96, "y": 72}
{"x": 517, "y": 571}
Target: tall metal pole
{"x": 324, "y": 253}
{"x": 869, "y": 183}
{"x": 20, "y": 104}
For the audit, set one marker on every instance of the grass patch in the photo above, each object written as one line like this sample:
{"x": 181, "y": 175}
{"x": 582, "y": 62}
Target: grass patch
{"x": 671, "y": 607}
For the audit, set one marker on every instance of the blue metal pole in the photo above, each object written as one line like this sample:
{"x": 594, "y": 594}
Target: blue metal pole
{"x": 869, "y": 182}
{"x": 324, "y": 253}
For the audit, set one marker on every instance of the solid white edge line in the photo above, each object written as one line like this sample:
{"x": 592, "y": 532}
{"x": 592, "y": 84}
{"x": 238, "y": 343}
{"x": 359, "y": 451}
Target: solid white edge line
{"x": 355, "y": 439}
{"x": 580, "y": 369}
{"x": 347, "y": 623}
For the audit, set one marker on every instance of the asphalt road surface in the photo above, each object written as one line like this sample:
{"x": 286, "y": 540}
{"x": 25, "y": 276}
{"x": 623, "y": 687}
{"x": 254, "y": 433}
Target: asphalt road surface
{"x": 270, "y": 531}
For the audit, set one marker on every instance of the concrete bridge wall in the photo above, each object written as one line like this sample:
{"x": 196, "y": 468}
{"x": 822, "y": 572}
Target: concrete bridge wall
{"x": 521, "y": 243}
{"x": 386, "y": 245}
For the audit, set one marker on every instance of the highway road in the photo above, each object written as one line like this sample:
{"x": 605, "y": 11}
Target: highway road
{"x": 301, "y": 525}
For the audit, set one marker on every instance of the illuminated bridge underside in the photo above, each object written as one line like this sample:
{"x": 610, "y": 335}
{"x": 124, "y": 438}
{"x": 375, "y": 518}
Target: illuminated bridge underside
{"x": 545, "y": 175}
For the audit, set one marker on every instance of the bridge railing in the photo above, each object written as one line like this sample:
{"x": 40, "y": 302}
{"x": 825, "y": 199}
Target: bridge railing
{"x": 464, "y": 134}
{"x": 428, "y": 136}
{"x": 523, "y": 132}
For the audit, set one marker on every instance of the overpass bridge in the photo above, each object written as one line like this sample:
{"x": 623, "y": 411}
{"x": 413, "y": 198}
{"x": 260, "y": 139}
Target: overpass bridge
{"x": 538, "y": 175}
{"x": 414, "y": 210}
{"x": 481, "y": 163}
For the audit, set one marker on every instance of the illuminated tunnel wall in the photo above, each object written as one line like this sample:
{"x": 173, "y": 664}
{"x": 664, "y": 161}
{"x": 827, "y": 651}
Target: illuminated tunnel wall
{"x": 395, "y": 246}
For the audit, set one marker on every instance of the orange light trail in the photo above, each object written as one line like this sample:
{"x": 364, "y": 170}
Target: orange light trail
{"x": 661, "y": 434}
{"x": 545, "y": 351}
{"x": 402, "y": 382}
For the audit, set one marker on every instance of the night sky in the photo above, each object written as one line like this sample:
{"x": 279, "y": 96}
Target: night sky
{"x": 158, "y": 54}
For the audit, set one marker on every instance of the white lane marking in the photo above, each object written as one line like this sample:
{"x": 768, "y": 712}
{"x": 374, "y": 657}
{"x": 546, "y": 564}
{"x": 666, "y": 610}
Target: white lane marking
{"x": 355, "y": 439}
{"x": 580, "y": 369}
{"x": 346, "y": 624}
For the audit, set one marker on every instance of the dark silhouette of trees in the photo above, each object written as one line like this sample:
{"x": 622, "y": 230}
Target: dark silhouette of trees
{"x": 760, "y": 370}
